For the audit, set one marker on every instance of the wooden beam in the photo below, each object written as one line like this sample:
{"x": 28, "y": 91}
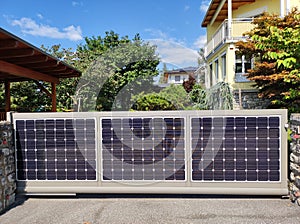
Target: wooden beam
{"x": 7, "y": 95}
{"x": 58, "y": 68}
{"x": 8, "y": 44}
{"x": 53, "y": 96}
{"x": 29, "y": 59}
{"x": 43, "y": 88}
{"x": 67, "y": 72}
{"x": 25, "y": 72}
{"x": 219, "y": 8}
{"x": 16, "y": 53}
{"x": 47, "y": 64}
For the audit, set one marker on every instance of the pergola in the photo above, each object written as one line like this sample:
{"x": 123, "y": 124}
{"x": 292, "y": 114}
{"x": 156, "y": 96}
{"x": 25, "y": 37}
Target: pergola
{"x": 21, "y": 61}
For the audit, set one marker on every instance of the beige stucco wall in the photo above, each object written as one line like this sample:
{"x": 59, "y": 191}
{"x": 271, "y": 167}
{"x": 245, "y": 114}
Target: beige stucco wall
{"x": 272, "y": 6}
{"x": 294, "y": 3}
{"x": 229, "y": 50}
{"x": 211, "y": 29}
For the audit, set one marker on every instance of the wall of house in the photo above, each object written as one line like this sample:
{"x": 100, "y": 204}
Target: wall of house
{"x": 257, "y": 7}
{"x": 183, "y": 77}
{"x": 229, "y": 50}
{"x": 7, "y": 166}
{"x": 211, "y": 29}
{"x": 293, "y": 3}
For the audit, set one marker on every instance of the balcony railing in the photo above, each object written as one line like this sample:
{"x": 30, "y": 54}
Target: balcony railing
{"x": 223, "y": 35}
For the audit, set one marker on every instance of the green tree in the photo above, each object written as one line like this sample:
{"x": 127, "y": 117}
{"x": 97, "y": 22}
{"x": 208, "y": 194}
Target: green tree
{"x": 173, "y": 97}
{"x": 65, "y": 90}
{"x": 115, "y": 68}
{"x": 275, "y": 44}
{"x": 189, "y": 84}
{"x": 198, "y": 96}
{"x": 27, "y": 97}
{"x": 152, "y": 101}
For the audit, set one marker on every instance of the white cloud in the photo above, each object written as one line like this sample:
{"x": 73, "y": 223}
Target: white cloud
{"x": 186, "y": 8}
{"x": 200, "y": 42}
{"x": 29, "y": 26}
{"x": 204, "y": 5}
{"x": 75, "y": 3}
{"x": 40, "y": 16}
{"x": 156, "y": 33}
{"x": 172, "y": 51}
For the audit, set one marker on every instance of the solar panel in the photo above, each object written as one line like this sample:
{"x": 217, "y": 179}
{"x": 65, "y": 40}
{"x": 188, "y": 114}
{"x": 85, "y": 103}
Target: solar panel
{"x": 56, "y": 149}
{"x": 182, "y": 152}
{"x": 143, "y": 149}
{"x": 236, "y": 148}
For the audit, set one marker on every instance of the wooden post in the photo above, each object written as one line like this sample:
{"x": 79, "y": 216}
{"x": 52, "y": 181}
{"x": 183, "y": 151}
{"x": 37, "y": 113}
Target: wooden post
{"x": 7, "y": 95}
{"x": 53, "y": 96}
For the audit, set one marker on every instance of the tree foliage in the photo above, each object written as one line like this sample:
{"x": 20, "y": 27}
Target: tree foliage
{"x": 66, "y": 88}
{"x": 115, "y": 68}
{"x": 218, "y": 97}
{"x": 173, "y": 97}
{"x": 189, "y": 84}
{"x": 275, "y": 45}
{"x": 152, "y": 101}
{"x": 26, "y": 97}
{"x": 198, "y": 96}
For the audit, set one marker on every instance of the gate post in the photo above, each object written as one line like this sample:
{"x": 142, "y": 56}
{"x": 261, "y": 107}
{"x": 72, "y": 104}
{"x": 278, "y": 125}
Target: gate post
{"x": 294, "y": 162}
{"x": 7, "y": 166}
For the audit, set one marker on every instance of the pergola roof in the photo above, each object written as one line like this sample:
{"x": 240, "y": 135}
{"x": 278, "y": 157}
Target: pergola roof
{"x": 21, "y": 61}
{"x": 213, "y": 8}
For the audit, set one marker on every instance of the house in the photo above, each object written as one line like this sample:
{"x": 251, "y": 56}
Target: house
{"x": 178, "y": 76}
{"x": 226, "y": 21}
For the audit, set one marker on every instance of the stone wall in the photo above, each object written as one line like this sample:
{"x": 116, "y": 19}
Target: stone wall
{"x": 7, "y": 166}
{"x": 294, "y": 184}
{"x": 249, "y": 100}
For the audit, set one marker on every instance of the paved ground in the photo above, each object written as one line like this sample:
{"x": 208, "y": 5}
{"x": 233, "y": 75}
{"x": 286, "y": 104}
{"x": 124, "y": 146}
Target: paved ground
{"x": 151, "y": 209}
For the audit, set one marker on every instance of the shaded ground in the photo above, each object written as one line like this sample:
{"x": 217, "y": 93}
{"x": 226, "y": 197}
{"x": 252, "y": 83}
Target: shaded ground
{"x": 91, "y": 209}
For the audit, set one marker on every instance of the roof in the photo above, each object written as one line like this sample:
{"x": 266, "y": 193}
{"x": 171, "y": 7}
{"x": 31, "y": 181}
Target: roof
{"x": 213, "y": 8}
{"x": 182, "y": 70}
{"x": 21, "y": 61}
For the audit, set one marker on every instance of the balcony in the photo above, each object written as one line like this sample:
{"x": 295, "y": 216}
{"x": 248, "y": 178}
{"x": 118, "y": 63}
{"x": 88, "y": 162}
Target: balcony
{"x": 223, "y": 35}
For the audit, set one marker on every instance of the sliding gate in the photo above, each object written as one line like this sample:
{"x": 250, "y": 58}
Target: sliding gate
{"x": 185, "y": 152}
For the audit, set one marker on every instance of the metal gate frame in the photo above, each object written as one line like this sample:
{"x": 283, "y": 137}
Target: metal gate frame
{"x": 188, "y": 186}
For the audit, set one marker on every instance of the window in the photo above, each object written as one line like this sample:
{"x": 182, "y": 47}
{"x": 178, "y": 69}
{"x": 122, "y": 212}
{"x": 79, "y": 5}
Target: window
{"x": 223, "y": 59}
{"x": 242, "y": 65}
{"x": 177, "y": 78}
{"x": 217, "y": 69}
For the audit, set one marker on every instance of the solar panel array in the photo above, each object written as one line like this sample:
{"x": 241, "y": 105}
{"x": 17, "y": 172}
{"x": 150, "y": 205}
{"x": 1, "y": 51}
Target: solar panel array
{"x": 160, "y": 148}
{"x": 56, "y": 149}
{"x": 236, "y": 148}
{"x": 136, "y": 149}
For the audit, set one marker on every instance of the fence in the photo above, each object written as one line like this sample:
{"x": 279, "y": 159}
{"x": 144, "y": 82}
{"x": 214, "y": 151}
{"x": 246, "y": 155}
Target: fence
{"x": 188, "y": 152}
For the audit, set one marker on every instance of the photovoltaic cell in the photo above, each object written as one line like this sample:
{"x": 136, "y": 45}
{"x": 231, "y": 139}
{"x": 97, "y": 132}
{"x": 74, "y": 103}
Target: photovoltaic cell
{"x": 143, "y": 149}
{"x": 56, "y": 149}
{"x": 235, "y": 148}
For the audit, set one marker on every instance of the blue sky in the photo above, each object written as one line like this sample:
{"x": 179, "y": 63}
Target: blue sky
{"x": 173, "y": 25}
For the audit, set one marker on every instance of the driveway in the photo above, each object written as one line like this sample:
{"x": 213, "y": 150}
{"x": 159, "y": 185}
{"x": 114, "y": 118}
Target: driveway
{"x": 140, "y": 209}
